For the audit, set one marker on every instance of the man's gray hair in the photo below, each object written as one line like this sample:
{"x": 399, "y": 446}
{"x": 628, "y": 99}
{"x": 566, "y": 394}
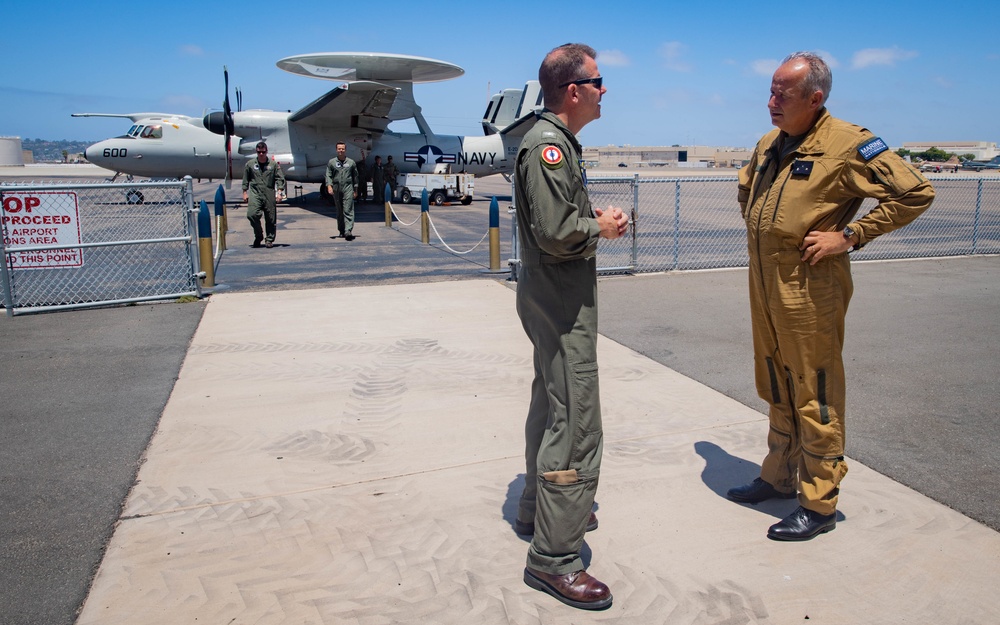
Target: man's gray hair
{"x": 818, "y": 78}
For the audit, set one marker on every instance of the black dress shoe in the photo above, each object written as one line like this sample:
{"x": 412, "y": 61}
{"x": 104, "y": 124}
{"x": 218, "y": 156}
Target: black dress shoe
{"x": 256, "y": 243}
{"x": 802, "y": 524}
{"x": 528, "y": 528}
{"x": 756, "y": 492}
{"x": 577, "y": 589}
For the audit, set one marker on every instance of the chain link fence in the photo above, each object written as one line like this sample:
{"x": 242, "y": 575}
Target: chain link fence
{"x": 77, "y": 245}
{"x": 695, "y": 223}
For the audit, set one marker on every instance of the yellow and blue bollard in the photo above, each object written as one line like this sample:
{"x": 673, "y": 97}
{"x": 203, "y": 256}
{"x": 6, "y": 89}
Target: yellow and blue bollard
{"x": 221, "y": 221}
{"x": 205, "y": 244}
{"x": 494, "y": 235}
{"x": 425, "y": 230}
{"x": 388, "y": 205}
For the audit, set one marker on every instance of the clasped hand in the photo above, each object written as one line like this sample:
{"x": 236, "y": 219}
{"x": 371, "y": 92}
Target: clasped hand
{"x": 613, "y": 222}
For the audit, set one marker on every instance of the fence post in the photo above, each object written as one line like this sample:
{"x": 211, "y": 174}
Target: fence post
{"x": 8, "y": 297}
{"x": 975, "y": 223}
{"x": 514, "y": 261}
{"x": 677, "y": 223}
{"x": 425, "y": 231}
{"x": 634, "y": 218}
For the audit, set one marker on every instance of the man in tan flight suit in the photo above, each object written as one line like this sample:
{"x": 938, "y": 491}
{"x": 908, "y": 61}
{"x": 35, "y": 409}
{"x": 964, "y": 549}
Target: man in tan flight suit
{"x": 799, "y": 196}
{"x": 557, "y": 304}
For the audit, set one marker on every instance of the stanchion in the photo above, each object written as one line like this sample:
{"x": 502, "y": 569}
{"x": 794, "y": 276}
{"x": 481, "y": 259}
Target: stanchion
{"x": 205, "y": 245}
{"x": 425, "y": 230}
{"x": 387, "y": 194}
{"x": 495, "y": 239}
{"x": 221, "y": 220}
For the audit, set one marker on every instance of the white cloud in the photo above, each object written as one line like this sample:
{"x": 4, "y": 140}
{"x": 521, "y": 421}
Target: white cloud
{"x": 190, "y": 49}
{"x": 613, "y": 58}
{"x": 831, "y": 61}
{"x": 943, "y": 82}
{"x": 671, "y": 53}
{"x": 764, "y": 67}
{"x": 880, "y": 56}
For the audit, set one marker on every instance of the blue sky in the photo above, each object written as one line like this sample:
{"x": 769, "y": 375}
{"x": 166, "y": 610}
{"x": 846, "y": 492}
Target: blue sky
{"x": 677, "y": 72}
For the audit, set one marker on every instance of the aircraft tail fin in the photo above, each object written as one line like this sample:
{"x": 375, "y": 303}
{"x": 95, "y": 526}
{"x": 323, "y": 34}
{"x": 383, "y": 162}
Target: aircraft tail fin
{"x": 512, "y": 111}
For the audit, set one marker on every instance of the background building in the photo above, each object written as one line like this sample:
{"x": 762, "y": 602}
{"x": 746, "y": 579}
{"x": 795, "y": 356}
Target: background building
{"x": 690, "y": 156}
{"x": 10, "y": 152}
{"x": 980, "y": 150}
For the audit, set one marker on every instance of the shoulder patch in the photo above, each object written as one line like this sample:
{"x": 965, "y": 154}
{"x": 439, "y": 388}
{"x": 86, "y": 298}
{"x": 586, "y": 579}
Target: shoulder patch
{"x": 552, "y": 157}
{"x": 870, "y": 149}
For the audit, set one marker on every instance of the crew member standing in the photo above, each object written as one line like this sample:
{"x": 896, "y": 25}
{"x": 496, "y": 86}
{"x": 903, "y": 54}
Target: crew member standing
{"x": 557, "y": 304}
{"x": 261, "y": 177}
{"x": 342, "y": 185}
{"x": 799, "y": 196}
{"x": 390, "y": 171}
{"x": 378, "y": 181}
{"x": 362, "y": 195}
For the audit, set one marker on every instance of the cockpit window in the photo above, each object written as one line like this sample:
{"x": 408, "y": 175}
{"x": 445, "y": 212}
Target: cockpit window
{"x": 131, "y": 131}
{"x": 152, "y": 132}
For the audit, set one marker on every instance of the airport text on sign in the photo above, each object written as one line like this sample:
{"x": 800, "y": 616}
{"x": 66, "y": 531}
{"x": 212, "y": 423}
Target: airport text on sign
{"x": 42, "y": 218}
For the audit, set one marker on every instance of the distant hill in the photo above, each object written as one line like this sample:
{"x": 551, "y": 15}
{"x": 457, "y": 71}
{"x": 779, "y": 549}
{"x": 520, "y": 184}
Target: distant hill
{"x": 46, "y": 151}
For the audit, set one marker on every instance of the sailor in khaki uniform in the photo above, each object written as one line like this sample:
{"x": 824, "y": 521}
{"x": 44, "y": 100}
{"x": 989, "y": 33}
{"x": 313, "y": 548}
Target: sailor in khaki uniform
{"x": 799, "y": 196}
{"x": 557, "y": 304}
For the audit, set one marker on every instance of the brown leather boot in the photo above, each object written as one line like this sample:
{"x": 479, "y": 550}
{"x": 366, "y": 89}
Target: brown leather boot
{"x": 577, "y": 589}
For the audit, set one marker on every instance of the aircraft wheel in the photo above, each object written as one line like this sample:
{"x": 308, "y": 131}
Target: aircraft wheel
{"x": 438, "y": 198}
{"x": 467, "y": 200}
{"x": 404, "y": 196}
{"x": 133, "y": 196}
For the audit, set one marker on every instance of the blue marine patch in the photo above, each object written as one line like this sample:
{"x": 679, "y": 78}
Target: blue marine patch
{"x": 869, "y": 150}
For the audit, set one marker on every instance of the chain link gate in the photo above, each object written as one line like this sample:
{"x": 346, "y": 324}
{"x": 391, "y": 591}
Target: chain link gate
{"x": 695, "y": 223}
{"x": 70, "y": 245}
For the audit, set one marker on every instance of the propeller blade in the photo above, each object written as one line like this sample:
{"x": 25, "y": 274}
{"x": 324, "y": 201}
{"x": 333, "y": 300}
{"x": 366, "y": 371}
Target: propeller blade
{"x": 230, "y": 127}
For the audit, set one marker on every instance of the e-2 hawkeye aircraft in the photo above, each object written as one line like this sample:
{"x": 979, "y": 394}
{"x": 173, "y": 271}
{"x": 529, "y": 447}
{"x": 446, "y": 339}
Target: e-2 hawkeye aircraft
{"x": 376, "y": 90}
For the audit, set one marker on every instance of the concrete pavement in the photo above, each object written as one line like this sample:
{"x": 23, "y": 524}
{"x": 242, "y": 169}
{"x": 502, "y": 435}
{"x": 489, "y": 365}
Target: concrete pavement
{"x": 311, "y": 471}
{"x": 353, "y": 454}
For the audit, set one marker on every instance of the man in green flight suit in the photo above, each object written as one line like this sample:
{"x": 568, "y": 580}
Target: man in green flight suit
{"x": 390, "y": 171}
{"x": 557, "y": 304}
{"x": 342, "y": 185}
{"x": 260, "y": 179}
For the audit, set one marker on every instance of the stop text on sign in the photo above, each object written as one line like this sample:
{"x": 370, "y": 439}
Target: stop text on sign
{"x": 32, "y": 218}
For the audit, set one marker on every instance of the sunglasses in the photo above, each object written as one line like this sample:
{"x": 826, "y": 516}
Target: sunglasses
{"x": 597, "y": 82}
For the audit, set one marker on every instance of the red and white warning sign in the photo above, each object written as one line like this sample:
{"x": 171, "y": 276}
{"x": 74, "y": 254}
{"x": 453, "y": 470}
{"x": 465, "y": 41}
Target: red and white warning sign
{"x": 31, "y": 218}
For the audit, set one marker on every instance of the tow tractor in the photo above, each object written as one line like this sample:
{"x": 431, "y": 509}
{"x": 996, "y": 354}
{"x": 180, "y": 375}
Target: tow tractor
{"x": 441, "y": 187}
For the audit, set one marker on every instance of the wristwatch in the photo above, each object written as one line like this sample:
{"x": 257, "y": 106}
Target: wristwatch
{"x": 849, "y": 234}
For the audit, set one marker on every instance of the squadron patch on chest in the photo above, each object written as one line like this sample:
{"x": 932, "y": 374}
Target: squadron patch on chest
{"x": 869, "y": 150}
{"x": 552, "y": 157}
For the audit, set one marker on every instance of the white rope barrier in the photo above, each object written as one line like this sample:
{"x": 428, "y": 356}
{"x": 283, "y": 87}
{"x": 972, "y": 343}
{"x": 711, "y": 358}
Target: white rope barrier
{"x": 436, "y": 233}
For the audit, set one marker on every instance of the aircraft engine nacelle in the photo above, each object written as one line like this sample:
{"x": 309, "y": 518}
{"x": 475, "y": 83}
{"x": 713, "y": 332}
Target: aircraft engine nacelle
{"x": 215, "y": 122}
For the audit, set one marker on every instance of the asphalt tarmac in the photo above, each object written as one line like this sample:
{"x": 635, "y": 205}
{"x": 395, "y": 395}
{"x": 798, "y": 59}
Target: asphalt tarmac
{"x": 83, "y": 391}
